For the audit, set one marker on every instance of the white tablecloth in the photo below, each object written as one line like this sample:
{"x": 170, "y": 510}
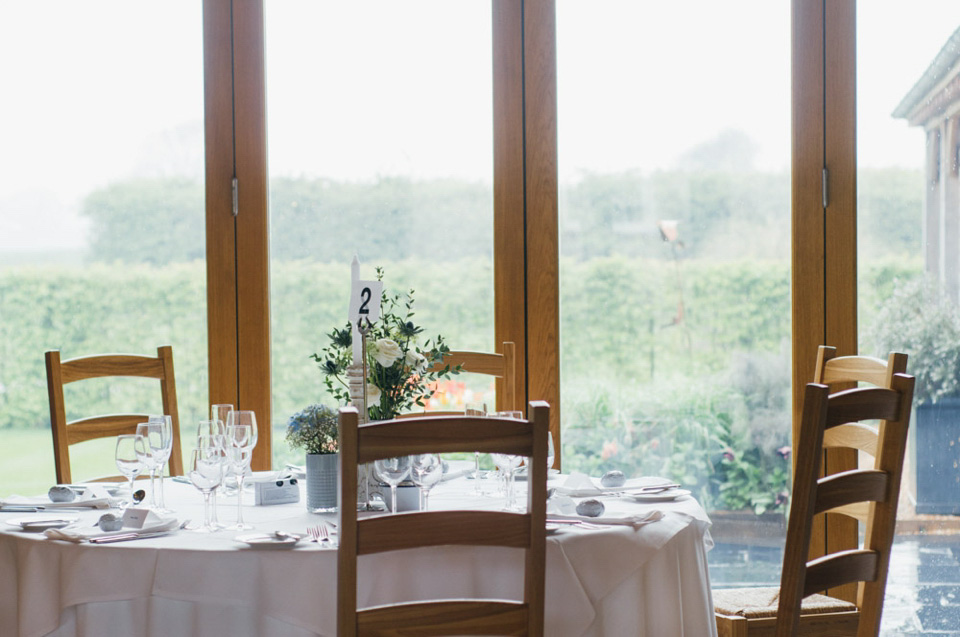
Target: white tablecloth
{"x": 617, "y": 581}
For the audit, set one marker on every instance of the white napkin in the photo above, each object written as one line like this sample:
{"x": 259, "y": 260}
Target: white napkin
{"x": 563, "y": 508}
{"x": 580, "y": 485}
{"x": 636, "y": 520}
{"x": 85, "y": 534}
{"x": 93, "y": 497}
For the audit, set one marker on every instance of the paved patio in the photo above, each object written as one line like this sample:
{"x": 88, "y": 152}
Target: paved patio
{"x": 923, "y": 588}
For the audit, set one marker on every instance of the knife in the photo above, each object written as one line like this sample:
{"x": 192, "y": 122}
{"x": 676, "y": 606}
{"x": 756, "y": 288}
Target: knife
{"x": 651, "y": 488}
{"x": 122, "y": 537}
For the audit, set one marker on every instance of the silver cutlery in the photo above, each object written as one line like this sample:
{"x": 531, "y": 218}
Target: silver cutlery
{"x": 319, "y": 533}
{"x": 122, "y": 537}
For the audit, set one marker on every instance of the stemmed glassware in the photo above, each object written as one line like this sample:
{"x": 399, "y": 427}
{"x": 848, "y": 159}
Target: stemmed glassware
{"x": 161, "y": 453}
{"x": 476, "y": 409}
{"x": 148, "y": 460}
{"x": 508, "y": 464}
{"x": 241, "y": 438}
{"x": 426, "y": 470}
{"x": 206, "y": 473}
{"x": 212, "y": 434}
{"x": 393, "y": 471}
{"x": 127, "y": 453}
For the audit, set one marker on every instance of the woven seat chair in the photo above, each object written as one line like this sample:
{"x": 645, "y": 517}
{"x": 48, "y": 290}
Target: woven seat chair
{"x": 796, "y": 608}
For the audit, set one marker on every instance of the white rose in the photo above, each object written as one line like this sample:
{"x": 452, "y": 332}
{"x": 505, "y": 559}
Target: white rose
{"x": 386, "y": 351}
{"x": 373, "y": 395}
{"x": 416, "y": 360}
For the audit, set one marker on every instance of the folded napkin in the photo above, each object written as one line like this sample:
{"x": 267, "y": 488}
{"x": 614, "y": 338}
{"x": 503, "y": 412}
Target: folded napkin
{"x": 580, "y": 485}
{"x": 155, "y": 525}
{"x": 636, "y": 520}
{"x": 93, "y": 497}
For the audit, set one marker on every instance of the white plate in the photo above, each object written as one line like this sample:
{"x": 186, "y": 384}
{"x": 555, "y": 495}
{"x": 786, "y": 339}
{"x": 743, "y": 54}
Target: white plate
{"x": 662, "y": 496}
{"x": 521, "y": 473}
{"x": 39, "y": 524}
{"x": 268, "y": 541}
{"x": 552, "y": 528}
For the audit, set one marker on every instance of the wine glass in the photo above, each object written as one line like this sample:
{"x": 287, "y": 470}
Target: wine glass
{"x": 508, "y": 464}
{"x": 220, "y": 412}
{"x": 161, "y": 454}
{"x": 150, "y": 432}
{"x": 551, "y": 453}
{"x": 241, "y": 438}
{"x": 244, "y": 417}
{"x": 476, "y": 409}
{"x": 426, "y": 470}
{"x": 127, "y": 456}
{"x": 393, "y": 471}
{"x": 206, "y": 473}
{"x": 212, "y": 434}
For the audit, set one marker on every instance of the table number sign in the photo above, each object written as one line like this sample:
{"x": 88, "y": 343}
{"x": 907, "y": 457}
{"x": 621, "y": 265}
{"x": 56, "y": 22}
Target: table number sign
{"x": 364, "y": 306}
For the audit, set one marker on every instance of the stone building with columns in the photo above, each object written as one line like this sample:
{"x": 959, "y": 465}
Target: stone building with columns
{"x": 934, "y": 104}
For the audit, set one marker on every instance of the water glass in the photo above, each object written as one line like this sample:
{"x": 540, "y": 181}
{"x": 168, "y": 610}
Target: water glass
{"x": 241, "y": 438}
{"x": 127, "y": 454}
{"x": 426, "y": 470}
{"x": 150, "y": 432}
{"x": 476, "y": 409}
{"x": 206, "y": 473}
{"x": 161, "y": 454}
{"x": 393, "y": 471}
{"x": 507, "y": 465}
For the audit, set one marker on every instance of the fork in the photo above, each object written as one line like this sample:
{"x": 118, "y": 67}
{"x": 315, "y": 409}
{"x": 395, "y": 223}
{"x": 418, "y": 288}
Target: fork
{"x": 319, "y": 533}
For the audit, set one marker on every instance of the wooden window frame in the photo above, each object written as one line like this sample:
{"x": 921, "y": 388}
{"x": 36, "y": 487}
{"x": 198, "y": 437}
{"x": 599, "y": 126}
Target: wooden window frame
{"x": 526, "y": 247}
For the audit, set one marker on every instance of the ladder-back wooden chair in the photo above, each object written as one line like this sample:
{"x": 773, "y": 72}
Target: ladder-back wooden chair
{"x": 796, "y": 608}
{"x": 360, "y": 444}
{"x": 501, "y": 365}
{"x": 67, "y": 433}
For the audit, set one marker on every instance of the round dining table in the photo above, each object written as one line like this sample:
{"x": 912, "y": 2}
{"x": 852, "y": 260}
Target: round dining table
{"x": 640, "y": 569}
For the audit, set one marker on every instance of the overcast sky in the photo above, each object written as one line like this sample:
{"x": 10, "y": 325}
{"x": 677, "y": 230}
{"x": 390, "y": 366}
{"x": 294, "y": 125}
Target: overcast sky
{"x": 88, "y": 101}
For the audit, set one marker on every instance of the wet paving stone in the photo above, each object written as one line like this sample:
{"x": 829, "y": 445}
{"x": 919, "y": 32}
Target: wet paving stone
{"x": 923, "y": 587}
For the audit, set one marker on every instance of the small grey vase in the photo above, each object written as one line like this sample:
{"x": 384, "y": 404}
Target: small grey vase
{"x": 322, "y": 481}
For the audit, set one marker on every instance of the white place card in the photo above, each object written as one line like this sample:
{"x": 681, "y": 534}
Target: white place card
{"x": 139, "y": 518}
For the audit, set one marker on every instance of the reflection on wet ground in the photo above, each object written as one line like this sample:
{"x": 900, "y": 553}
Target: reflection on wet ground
{"x": 923, "y": 588}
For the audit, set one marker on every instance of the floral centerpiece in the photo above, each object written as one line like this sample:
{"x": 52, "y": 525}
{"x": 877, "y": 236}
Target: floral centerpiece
{"x": 314, "y": 430}
{"x": 401, "y": 373}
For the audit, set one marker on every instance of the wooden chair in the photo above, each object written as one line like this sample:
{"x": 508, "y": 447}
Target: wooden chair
{"x": 66, "y": 433}
{"x": 796, "y": 608}
{"x": 370, "y": 535}
{"x": 502, "y": 366}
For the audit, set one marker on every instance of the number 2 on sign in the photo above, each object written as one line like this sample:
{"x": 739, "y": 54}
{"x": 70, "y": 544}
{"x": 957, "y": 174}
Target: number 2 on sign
{"x": 365, "y": 301}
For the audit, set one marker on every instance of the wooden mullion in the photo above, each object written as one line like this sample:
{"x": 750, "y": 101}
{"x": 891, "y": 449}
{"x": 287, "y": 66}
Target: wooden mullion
{"x": 220, "y": 231}
{"x": 808, "y": 313}
{"x": 508, "y": 188}
{"x": 541, "y": 231}
{"x": 253, "y": 289}
{"x": 840, "y": 229}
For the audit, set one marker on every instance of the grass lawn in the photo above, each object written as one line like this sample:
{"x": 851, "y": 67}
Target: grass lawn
{"x": 26, "y": 461}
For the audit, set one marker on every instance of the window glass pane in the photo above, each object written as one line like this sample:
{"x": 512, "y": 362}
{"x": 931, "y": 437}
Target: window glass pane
{"x": 102, "y": 202}
{"x": 908, "y": 221}
{"x": 674, "y": 143}
{"x": 380, "y": 145}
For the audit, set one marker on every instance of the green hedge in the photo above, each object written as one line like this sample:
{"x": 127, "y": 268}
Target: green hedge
{"x": 642, "y": 391}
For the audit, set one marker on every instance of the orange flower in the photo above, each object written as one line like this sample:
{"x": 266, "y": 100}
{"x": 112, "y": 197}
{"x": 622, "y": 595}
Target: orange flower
{"x": 610, "y": 449}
